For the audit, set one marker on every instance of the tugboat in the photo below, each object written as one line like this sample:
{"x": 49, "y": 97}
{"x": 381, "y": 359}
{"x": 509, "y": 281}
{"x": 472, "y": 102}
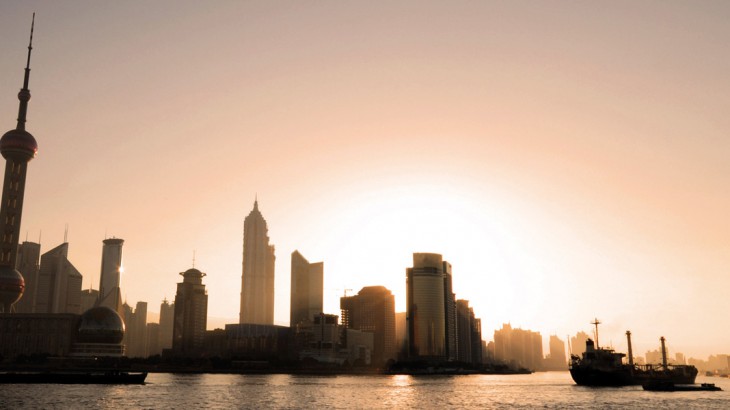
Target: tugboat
{"x": 605, "y": 367}
{"x": 669, "y": 386}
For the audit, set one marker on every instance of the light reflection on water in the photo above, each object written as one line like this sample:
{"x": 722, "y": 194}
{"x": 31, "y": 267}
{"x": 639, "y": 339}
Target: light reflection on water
{"x": 540, "y": 390}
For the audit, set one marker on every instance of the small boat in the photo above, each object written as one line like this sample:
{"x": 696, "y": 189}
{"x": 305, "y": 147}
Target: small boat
{"x": 668, "y": 386}
{"x": 73, "y": 377}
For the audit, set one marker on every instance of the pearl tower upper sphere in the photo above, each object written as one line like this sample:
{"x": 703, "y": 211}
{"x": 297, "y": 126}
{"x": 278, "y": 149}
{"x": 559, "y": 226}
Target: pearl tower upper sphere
{"x": 17, "y": 143}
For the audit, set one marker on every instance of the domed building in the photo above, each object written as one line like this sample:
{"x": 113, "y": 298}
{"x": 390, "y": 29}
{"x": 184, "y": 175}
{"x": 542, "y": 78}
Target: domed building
{"x": 12, "y": 286}
{"x": 100, "y": 333}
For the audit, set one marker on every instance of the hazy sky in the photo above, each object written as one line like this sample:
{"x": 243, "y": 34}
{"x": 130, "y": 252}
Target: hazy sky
{"x": 569, "y": 158}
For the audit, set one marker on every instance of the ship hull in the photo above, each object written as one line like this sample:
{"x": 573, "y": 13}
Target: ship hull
{"x": 595, "y": 377}
{"x": 626, "y": 376}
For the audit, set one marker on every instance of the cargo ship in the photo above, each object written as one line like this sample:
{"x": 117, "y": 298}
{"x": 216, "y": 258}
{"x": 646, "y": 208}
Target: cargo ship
{"x": 605, "y": 367}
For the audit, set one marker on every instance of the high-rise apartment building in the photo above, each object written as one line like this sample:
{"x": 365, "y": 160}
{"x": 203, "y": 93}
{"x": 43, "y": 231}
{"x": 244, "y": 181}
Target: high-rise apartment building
{"x": 191, "y": 312}
{"x": 578, "y": 343}
{"x": 556, "y": 359}
{"x": 307, "y": 282}
{"x": 29, "y": 254}
{"x": 373, "y": 310}
{"x": 431, "y": 333}
{"x": 59, "y": 283}
{"x": 18, "y": 147}
{"x": 518, "y": 348}
{"x": 110, "y": 294}
{"x": 257, "y": 278}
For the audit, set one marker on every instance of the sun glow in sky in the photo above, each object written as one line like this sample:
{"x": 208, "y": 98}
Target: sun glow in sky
{"x": 570, "y": 159}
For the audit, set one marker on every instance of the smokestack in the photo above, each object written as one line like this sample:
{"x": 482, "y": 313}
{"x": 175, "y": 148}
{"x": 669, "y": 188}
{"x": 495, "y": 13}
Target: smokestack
{"x": 631, "y": 354}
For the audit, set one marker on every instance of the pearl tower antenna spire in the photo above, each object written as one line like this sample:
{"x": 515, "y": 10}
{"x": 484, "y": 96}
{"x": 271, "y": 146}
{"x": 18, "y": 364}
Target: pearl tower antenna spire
{"x": 24, "y": 94}
{"x": 18, "y": 147}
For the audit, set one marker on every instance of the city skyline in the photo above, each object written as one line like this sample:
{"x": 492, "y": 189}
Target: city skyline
{"x": 563, "y": 181}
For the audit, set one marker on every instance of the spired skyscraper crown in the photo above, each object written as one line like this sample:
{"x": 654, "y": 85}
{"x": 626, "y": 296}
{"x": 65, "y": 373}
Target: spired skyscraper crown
{"x": 17, "y": 147}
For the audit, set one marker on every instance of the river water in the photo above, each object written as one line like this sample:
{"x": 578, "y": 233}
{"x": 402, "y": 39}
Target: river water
{"x": 191, "y": 391}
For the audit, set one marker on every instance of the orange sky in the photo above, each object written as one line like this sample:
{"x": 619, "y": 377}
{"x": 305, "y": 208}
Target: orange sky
{"x": 570, "y": 159}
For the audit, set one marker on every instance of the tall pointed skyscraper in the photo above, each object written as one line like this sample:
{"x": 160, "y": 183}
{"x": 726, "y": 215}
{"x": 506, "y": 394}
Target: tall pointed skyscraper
{"x": 18, "y": 147}
{"x": 257, "y": 279}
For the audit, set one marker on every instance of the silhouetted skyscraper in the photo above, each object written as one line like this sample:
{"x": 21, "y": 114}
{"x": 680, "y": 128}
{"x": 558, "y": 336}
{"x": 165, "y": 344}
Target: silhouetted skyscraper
{"x": 469, "y": 334}
{"x": 449, "y": 315}
{"x": 167, "y": 318}
{"x": 464, "y": 319}
{"x": 59, "y": 283}
{"x": 18, "y": 147}
{"x": 191, "y": 313}
{"x": 426, "y": 307}
{"x": 29, "y": 254}
{"x": 110, "y": 294}
{"x": 137, "y": 331}
{"x": 307, "y": 282}
{"x": 257, "y": 279}
{"x": 373, "y": 310}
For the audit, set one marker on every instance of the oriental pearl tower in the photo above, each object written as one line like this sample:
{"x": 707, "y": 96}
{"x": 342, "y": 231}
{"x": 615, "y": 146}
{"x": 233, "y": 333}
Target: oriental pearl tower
{"x": 18, "y": 147}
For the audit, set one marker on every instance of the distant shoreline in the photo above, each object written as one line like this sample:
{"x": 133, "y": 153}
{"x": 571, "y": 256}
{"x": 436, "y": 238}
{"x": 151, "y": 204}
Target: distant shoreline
{"x": 289, "y": 371}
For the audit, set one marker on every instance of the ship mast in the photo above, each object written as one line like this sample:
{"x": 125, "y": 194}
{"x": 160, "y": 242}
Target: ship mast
{"x": 595, "y": 322}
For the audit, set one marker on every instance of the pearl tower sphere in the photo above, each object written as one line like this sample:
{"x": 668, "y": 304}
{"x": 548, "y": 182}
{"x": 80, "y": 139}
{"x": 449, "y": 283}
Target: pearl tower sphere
{"x": 18, "y": 147}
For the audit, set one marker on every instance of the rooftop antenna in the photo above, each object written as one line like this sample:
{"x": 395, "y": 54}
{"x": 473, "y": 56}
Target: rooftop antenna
{"x": 26, "y": 236}
{"x": 596, "y": 322}
{"x": 40, "y": 233}
{"x": 193, "y": 258}
{"x": 65, "y": 233}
